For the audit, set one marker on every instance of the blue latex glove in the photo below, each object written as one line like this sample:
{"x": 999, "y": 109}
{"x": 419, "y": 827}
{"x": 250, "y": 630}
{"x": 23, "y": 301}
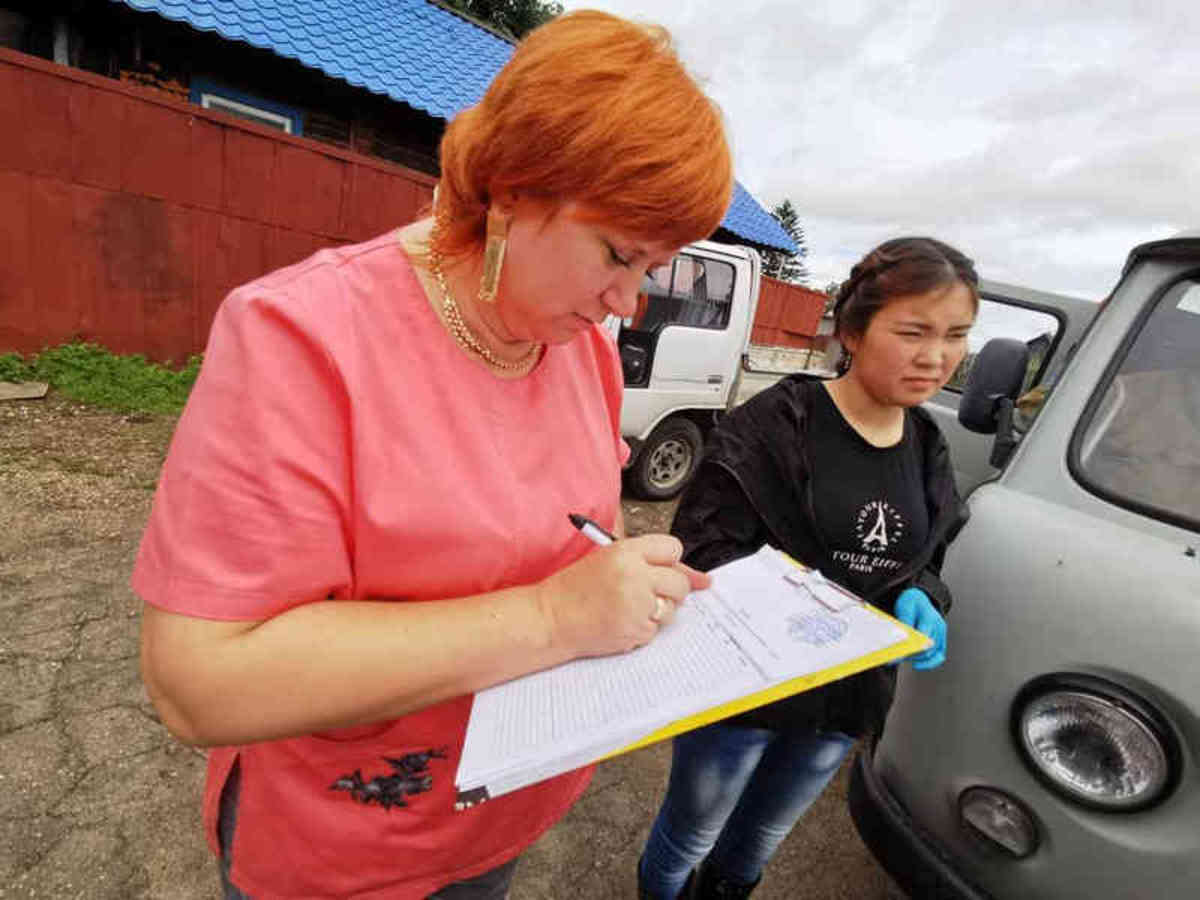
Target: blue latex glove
{"x": 916, "y": 610}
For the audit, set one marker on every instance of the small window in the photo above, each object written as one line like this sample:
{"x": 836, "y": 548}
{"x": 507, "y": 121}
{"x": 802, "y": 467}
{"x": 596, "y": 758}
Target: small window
{"x": 1139, "y": 441}
{"x": 246, "y": 111}
{"x": 693, "y": 292}
{"x": 211, "y": 95}
{"x": 1036, "y": 328}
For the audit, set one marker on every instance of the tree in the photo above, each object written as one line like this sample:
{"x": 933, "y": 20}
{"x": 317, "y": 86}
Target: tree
{"x": 831, "y": 292}
{"x": 516, "y": 18}
{"x": 787, "y": 266}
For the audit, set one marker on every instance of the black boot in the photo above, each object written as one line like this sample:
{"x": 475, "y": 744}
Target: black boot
{"x": 709, "y": 884}
{"x": 644, "y": 892}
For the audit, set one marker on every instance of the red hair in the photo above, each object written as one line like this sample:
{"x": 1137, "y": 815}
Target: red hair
{"x": 593, "y": 109}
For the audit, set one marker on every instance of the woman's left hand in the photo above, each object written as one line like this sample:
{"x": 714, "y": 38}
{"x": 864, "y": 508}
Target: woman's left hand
{"x": 916, "y": 610}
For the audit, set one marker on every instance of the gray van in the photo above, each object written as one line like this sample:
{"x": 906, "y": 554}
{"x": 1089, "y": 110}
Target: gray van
{"x": 1053, "y": 755}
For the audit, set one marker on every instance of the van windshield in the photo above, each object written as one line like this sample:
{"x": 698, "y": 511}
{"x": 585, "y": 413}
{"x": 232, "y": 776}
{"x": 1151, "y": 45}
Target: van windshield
{"x": 1142, "y": 444}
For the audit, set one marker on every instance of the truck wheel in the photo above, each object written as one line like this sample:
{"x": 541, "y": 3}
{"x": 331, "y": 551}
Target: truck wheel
{"x": 666, "y": 461}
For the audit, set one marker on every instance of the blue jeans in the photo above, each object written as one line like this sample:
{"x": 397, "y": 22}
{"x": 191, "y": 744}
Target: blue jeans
{"x": 734, "y": 794}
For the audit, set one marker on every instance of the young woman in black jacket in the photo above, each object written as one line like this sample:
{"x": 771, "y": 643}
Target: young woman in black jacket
{"x": 851, "y": 477}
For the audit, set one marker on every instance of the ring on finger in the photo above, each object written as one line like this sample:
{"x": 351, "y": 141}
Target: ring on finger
{"x": 660, "y": 609}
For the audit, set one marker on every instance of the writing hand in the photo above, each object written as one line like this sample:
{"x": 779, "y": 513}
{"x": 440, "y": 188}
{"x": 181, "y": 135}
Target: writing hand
{"x": 618, "y": 597}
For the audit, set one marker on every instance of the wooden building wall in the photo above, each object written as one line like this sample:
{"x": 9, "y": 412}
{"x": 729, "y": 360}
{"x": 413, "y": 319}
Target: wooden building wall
{"x": 128, "y": 215}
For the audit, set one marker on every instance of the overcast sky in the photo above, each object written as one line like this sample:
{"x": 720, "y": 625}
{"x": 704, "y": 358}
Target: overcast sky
{"x": 1044, "y": 139}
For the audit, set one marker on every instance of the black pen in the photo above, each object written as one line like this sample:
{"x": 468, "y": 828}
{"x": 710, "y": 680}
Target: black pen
{"x": 591, "y": 530}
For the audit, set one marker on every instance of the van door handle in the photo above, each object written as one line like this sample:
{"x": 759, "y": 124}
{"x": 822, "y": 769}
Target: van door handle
{"x": 715, "y": 379}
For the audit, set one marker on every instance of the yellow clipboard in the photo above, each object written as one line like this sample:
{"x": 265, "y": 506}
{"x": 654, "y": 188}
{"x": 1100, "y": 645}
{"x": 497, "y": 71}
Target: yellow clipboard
{"x": 492, "y": 772}
{"x": 914, "y": 642}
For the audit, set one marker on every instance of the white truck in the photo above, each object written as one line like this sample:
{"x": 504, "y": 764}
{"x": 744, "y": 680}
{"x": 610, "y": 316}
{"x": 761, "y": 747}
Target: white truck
{"x": 682, "y": 355}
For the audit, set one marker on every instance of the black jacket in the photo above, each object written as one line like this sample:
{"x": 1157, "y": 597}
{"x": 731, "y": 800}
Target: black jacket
{"x": 754, "y": 486}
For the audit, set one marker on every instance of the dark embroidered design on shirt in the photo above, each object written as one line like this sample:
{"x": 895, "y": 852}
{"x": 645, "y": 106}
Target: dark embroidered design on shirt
{"x": 411, "y": 776}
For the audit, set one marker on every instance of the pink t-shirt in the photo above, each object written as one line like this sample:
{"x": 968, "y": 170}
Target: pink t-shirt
{"x": 338, "y": 443}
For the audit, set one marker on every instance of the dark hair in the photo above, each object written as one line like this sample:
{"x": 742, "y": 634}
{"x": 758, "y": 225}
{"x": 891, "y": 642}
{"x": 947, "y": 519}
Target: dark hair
{"x": 900, "y": 267}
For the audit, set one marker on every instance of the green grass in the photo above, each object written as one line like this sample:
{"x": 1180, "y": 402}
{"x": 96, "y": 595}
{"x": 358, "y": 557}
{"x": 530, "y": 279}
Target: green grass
{"x": 91, "y": 374}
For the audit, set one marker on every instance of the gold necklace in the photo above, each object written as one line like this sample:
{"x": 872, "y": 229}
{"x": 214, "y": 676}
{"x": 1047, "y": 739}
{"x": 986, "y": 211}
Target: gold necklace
{"x": 458, "y": 326}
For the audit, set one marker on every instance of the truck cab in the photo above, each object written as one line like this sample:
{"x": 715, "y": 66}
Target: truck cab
{"x": 681, "y": 355}
{"x": 1054, "y": 754}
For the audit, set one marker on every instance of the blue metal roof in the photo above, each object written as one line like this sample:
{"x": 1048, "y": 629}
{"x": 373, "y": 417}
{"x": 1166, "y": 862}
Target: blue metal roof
{"x": 748, "y": 220}
{"x": 394, "y": 47}
{"x": 410, "y": 50}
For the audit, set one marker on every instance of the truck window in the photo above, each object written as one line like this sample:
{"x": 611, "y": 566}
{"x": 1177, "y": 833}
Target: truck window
{"x": 1138, "y": 443}
{"x": 998, "y": 319}
{"x": 693, "y": 291}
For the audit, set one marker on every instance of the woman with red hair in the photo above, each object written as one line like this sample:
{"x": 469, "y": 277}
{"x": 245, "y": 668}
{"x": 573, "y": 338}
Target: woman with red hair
{"x": 363, "y": 516}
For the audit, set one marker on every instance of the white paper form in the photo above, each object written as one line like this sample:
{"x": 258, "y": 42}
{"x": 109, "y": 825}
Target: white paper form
{"x": 792, "y": 626}
{"x": 578, "y": 711}
{"x": 751, "y": 630}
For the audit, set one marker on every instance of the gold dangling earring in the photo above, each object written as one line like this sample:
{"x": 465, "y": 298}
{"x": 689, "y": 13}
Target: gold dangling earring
{"x": 493, "y": 254}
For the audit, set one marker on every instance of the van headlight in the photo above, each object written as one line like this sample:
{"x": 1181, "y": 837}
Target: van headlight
{"x": 1095, "y": 743}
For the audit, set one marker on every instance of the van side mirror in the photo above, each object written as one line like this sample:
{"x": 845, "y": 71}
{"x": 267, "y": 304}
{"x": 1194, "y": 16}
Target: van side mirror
{"x": 996, "y": 376}
{"x": 988, "y": 399}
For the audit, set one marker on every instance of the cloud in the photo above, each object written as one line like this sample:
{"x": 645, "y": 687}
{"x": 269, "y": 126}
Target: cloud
{"x": 1046, "y": 139}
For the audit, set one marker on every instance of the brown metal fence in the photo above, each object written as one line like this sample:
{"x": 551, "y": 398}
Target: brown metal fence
{"x": 126, "y": 215}
{"x": 788, "y": 315}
